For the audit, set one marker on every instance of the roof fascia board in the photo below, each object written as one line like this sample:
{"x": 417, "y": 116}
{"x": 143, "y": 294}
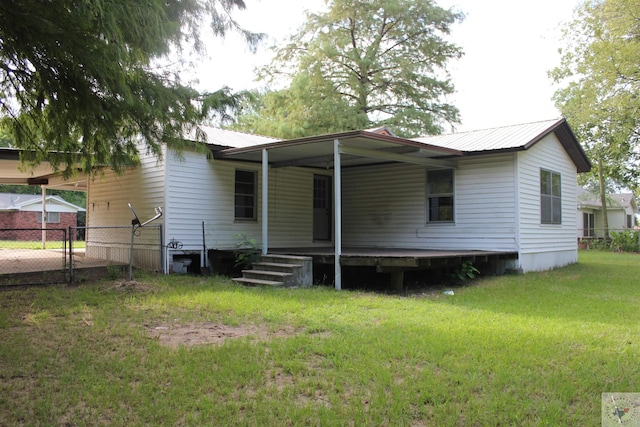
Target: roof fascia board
{"x": 377, "y": 154}
{"x": 331, "y": 137}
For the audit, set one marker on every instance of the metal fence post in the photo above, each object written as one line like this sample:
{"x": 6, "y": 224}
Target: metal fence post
{"x": 64, "y": 253}
{"x": 70, "y": 255}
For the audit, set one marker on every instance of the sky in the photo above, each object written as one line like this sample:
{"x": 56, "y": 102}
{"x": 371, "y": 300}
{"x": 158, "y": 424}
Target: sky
{"x": 509, "y": 45}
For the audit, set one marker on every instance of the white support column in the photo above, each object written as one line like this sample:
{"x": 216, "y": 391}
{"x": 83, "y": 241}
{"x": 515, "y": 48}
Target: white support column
{"x": 337, "y": 213}
{"x": 265, "y": 202}
{"x": 44, "y": 216}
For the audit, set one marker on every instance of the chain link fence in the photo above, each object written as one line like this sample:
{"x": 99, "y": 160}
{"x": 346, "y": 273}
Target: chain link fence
{"x": 31, "y": 256}
{"x": 120, "y": 247}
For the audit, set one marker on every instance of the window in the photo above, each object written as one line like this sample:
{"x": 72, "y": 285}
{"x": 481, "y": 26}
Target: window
{"x": 440, "y": 195}
{"x": 245, "y": 195}
{"x": 550, "y": 197}
{"x": 629, "y": 221}
{"x": 588, "y": 222}
{"x": 52, "y": 217}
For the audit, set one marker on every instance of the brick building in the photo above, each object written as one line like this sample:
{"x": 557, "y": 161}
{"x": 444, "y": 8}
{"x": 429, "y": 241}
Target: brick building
{"x": 21, "y": 216}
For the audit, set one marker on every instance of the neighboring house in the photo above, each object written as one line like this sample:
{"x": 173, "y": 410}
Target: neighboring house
{"x": 621, "y": 213}
{"x": 509, "y": 191}
{"x": 22, "y": 211}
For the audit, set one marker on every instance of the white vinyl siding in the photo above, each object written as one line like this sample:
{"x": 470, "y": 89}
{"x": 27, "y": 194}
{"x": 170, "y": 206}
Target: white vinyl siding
{"x": 108, "y": 197}
{"x": 385, "y": 206}
{"x": 203, "y": 189}
{"x": 382, "y": 206}
{"x": 544, "y": 246}
{"x": 485, "y": 208}
{"x": 291, "y": 208}
{"x": 617, "y": 218}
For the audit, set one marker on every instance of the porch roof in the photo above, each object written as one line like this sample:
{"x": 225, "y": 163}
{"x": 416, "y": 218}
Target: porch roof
{"x": 42, "y": 174}
{"x": 358, "y": 148}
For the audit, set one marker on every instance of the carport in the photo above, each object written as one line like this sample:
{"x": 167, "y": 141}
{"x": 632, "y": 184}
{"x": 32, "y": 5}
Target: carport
{"x": 17, "y": 262}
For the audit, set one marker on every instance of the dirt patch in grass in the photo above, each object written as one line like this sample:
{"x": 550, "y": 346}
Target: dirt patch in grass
{"x": 128, "y": 286}
{"x": 213, "y": 333}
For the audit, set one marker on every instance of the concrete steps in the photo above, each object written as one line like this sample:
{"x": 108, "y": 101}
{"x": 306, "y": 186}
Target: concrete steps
{"x": 279, "y": 271}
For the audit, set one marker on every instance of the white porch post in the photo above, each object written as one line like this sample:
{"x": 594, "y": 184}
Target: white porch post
{"x": 265, "y": 202}
{"x": 44, "y": 216}
{"x": 337, "y": 191}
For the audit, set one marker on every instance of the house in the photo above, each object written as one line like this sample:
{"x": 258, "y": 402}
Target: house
{"x": 505, "y": 195}
{"x": 622, "y": 209}
{"x": 24, "y": 211}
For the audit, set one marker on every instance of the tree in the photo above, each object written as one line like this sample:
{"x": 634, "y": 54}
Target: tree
{"x": 600, "y": 74}
{"x": 363, "y": 64}
{"x": 82, "y": 79}
{"x": 298, "y": 111}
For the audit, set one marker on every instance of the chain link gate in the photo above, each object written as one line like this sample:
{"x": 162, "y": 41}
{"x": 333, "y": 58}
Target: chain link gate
{"x": 33, "y": 256}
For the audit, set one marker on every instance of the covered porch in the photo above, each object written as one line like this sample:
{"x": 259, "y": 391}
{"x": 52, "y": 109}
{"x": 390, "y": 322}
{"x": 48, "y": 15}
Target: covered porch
{"x": 361, "y": 151}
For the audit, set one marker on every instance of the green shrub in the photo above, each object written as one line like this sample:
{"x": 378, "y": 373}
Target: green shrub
{"x": 624, "y": 241}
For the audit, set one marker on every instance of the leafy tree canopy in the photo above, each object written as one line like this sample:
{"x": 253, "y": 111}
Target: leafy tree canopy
{"x": 599, "y": 77}
{"x": 81, "y": 78}
{"x": 358, "y": 65}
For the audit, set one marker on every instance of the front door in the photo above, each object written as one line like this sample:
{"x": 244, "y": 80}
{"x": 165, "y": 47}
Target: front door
{"x": 321, "y": 208}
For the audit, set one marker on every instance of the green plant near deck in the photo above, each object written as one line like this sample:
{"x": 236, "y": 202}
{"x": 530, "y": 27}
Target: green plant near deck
{"x": 114, "y": 271}
{"x": 529, "y": 350}
{"x": 467, "y": 271}
{"x": 247, "y": 251}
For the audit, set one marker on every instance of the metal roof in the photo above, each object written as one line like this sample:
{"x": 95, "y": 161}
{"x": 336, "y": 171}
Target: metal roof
{"x": 501, "y": 138}
{"x": 374, "y": 147}
{"x": 230, "y": 138}
{"x": 513, "y": 138}
{"x": 587, "y": 199}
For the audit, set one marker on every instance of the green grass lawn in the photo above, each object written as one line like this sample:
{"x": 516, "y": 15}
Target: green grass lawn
{"x": 529, "y": 350}
{"x": 35, "y": 244}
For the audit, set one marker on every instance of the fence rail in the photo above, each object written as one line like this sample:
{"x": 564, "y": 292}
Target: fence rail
{"x": 30, "y": 256}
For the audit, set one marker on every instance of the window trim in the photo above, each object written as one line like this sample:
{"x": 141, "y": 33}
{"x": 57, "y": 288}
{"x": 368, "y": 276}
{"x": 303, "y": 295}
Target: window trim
{"x": 588, "y": 224}
{"x": 49, "y": 215}
{"x": 551, "y": 197}
{"x": 451, "y": 195}
{"x": 254, "y": 195}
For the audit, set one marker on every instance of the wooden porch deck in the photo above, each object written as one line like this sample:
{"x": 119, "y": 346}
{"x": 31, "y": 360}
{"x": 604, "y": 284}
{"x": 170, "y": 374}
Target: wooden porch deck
{"x": 395, "y": 257}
